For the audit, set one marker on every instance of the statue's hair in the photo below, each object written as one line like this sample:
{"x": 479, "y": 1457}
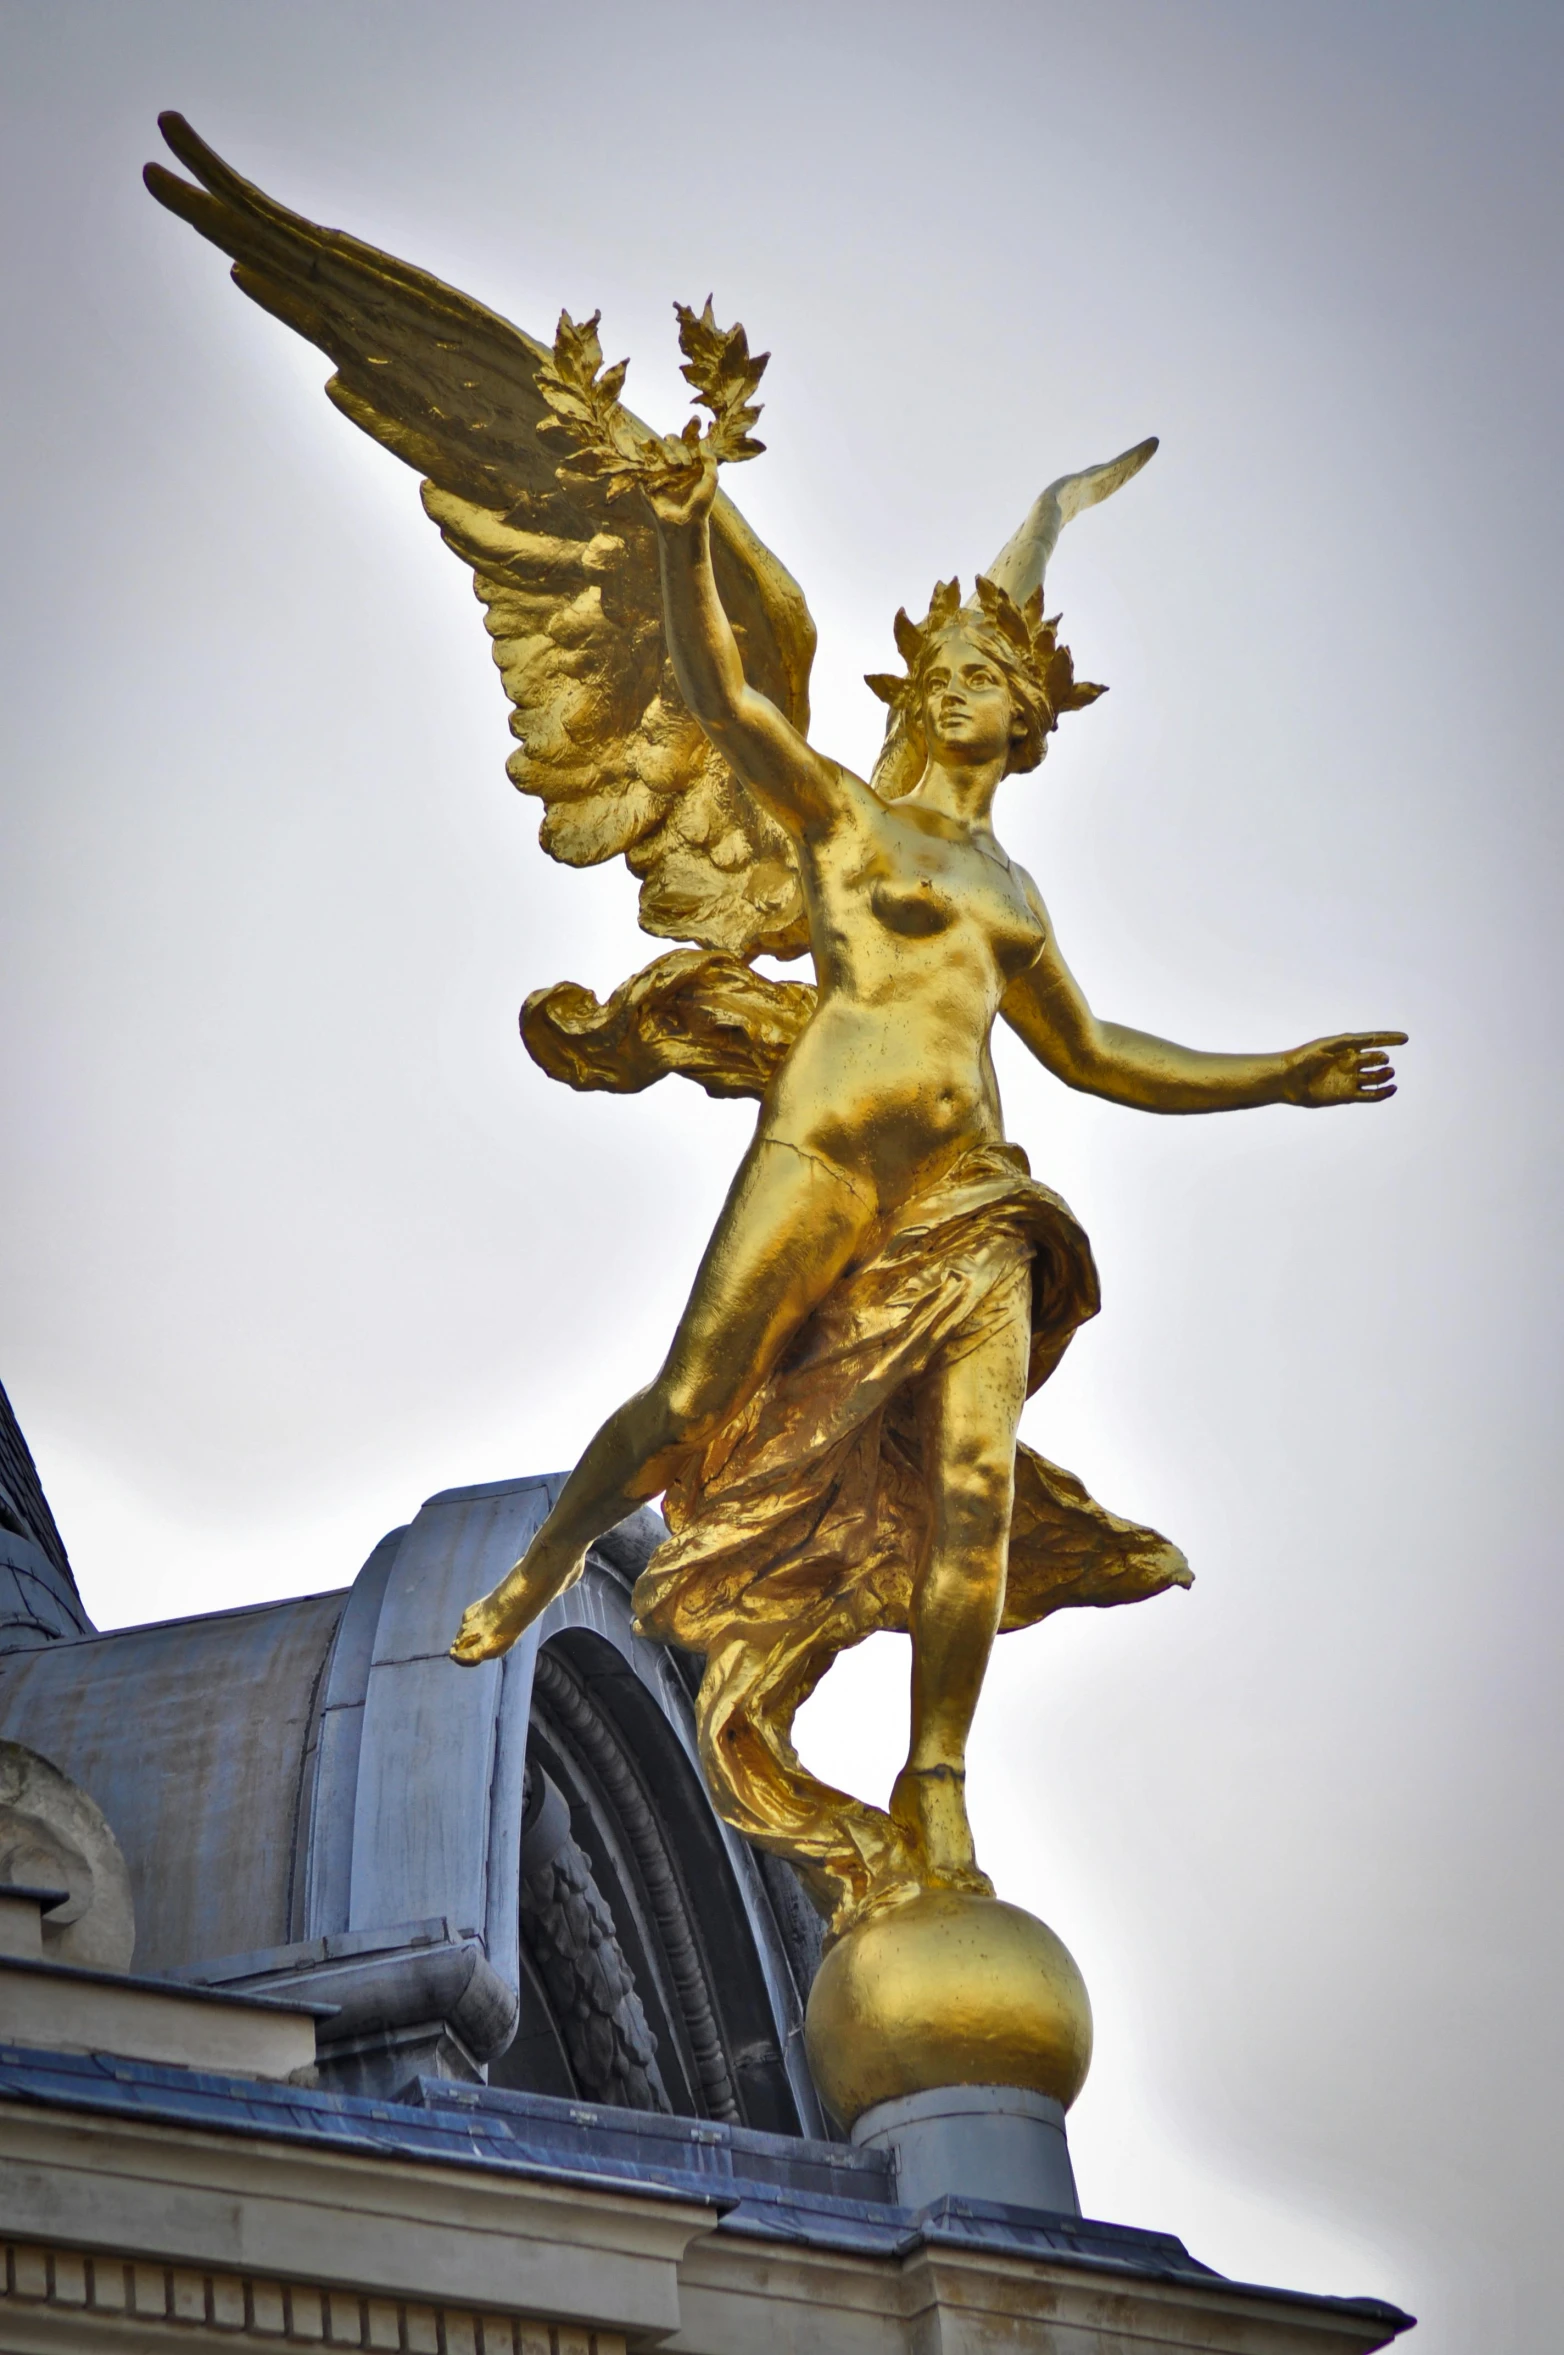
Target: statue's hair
{"x": 1024, "y": 649}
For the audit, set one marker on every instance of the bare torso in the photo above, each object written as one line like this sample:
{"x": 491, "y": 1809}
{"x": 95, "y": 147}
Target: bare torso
{"x": 893, "y": 1076}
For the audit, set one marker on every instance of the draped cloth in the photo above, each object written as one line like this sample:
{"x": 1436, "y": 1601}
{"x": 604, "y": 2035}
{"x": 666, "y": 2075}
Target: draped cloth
{"x": 799, "y": 1527}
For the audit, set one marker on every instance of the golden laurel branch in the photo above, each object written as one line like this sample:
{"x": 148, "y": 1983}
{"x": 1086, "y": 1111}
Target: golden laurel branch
{"x": 608, "y": 445}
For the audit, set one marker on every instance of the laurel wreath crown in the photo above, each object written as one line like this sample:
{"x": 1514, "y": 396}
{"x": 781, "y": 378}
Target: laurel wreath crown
{"x": 1031, "y": 642}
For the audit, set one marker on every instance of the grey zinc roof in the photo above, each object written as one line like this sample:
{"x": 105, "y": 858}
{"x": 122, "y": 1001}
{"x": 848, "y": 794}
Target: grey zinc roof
{"x": 39, "y": 1604}
{"x": 24, "y": 1509}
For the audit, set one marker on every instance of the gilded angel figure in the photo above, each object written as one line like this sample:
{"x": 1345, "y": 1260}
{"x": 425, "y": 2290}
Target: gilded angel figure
{"x": 834, "y": 1428}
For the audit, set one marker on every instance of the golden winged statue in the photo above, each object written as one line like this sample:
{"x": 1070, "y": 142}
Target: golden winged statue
{"x": 833, "y": 1431}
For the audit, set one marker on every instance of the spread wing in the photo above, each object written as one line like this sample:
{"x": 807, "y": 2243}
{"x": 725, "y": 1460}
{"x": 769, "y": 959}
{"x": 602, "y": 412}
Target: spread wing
{"x": 1022, "y": 561}
{"x": 569, "y": 583}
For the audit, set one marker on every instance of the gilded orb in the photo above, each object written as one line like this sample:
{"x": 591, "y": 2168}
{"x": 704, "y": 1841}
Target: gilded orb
{"x": 946, "y": 1989}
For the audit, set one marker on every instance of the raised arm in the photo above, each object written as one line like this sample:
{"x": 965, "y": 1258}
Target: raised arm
{"x": 1048, "y": 1010}
{"x": 763, "y": 747}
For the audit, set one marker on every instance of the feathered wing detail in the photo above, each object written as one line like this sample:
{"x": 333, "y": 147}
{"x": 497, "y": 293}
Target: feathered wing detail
{"x": 606, "y": 741}
{"x": 568, "y": 580}
{"x": 1019, "y": 567}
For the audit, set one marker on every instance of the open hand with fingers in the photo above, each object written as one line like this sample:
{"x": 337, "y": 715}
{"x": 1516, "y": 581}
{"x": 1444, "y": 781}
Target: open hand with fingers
{"x": 1351, "y": 1070}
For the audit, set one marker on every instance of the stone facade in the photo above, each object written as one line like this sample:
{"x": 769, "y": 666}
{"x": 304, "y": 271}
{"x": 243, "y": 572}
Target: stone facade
{"x": 188, "y": 2208}
{"x": 57, "y": 2298}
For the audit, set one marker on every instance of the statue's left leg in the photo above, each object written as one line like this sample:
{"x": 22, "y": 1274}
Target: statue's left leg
{"x": 969, "y": 1409}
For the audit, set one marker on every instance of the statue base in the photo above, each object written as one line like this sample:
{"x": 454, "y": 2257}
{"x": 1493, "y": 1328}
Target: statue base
{"x": 947, "y": 1990}
{"x": 975, "y": 2142}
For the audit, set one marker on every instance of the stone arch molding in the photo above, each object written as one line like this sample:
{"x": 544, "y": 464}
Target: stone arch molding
{"x": 407, "y": 1881}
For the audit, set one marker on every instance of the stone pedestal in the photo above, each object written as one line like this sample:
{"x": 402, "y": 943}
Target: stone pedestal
{"x": 974, "y": 2142}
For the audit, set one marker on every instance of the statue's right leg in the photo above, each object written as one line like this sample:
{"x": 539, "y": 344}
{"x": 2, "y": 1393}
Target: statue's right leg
{"x": 789, "y": 1226}
{"x": 970, "y": 1408}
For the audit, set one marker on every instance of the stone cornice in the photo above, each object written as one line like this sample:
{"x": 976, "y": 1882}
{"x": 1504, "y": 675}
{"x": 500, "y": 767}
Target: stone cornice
{"x": 403, "y": 2229}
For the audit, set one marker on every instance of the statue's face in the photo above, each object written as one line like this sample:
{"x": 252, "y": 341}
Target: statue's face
{"x": 967, "y": 708}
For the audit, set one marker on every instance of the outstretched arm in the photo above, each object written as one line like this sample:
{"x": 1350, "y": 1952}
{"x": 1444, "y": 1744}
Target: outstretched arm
{"x": 762, "y": 746}
{"x": 1047, "y": 1009}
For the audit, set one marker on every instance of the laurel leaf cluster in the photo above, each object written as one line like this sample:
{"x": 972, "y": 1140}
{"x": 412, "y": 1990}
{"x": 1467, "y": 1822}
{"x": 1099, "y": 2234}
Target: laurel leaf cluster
{"x": 605, "y": 444}
{"x": 1036, "y": 645}
{"x": 1032, "y": 642}
{"x": 603, "y": 441}
{"x": 718, "y": 364}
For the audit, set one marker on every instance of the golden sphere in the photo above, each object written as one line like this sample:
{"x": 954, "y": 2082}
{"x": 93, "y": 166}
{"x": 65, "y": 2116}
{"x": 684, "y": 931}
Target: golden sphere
{"x": 946, "y": 1989}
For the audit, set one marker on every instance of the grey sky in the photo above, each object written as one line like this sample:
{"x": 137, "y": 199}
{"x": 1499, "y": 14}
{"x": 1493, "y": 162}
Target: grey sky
{"x": 293, "y": 1233}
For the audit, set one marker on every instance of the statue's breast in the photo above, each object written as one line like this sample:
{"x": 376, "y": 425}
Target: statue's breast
{"x": 917, "y": 882}
{"x": 915, "y": 909}
{"x": 978, "y": 893}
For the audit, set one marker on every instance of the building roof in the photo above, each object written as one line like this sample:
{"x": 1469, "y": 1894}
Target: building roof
{"x": 39, "y": 1604}
{"x": 24, "y": 1509}
{"x": 765, "y": 2187}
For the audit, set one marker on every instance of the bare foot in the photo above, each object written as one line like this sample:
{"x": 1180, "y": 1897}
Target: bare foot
{"x": 491, "y": 1625}
{"x": 930, "y": 1804}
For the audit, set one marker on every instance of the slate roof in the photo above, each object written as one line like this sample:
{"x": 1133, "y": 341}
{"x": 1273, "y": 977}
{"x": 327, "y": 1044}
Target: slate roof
{"x": 24, "y": 1509}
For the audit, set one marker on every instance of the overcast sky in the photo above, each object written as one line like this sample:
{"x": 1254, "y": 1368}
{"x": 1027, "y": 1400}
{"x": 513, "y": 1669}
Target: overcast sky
{"x": 292, "y": 1233}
